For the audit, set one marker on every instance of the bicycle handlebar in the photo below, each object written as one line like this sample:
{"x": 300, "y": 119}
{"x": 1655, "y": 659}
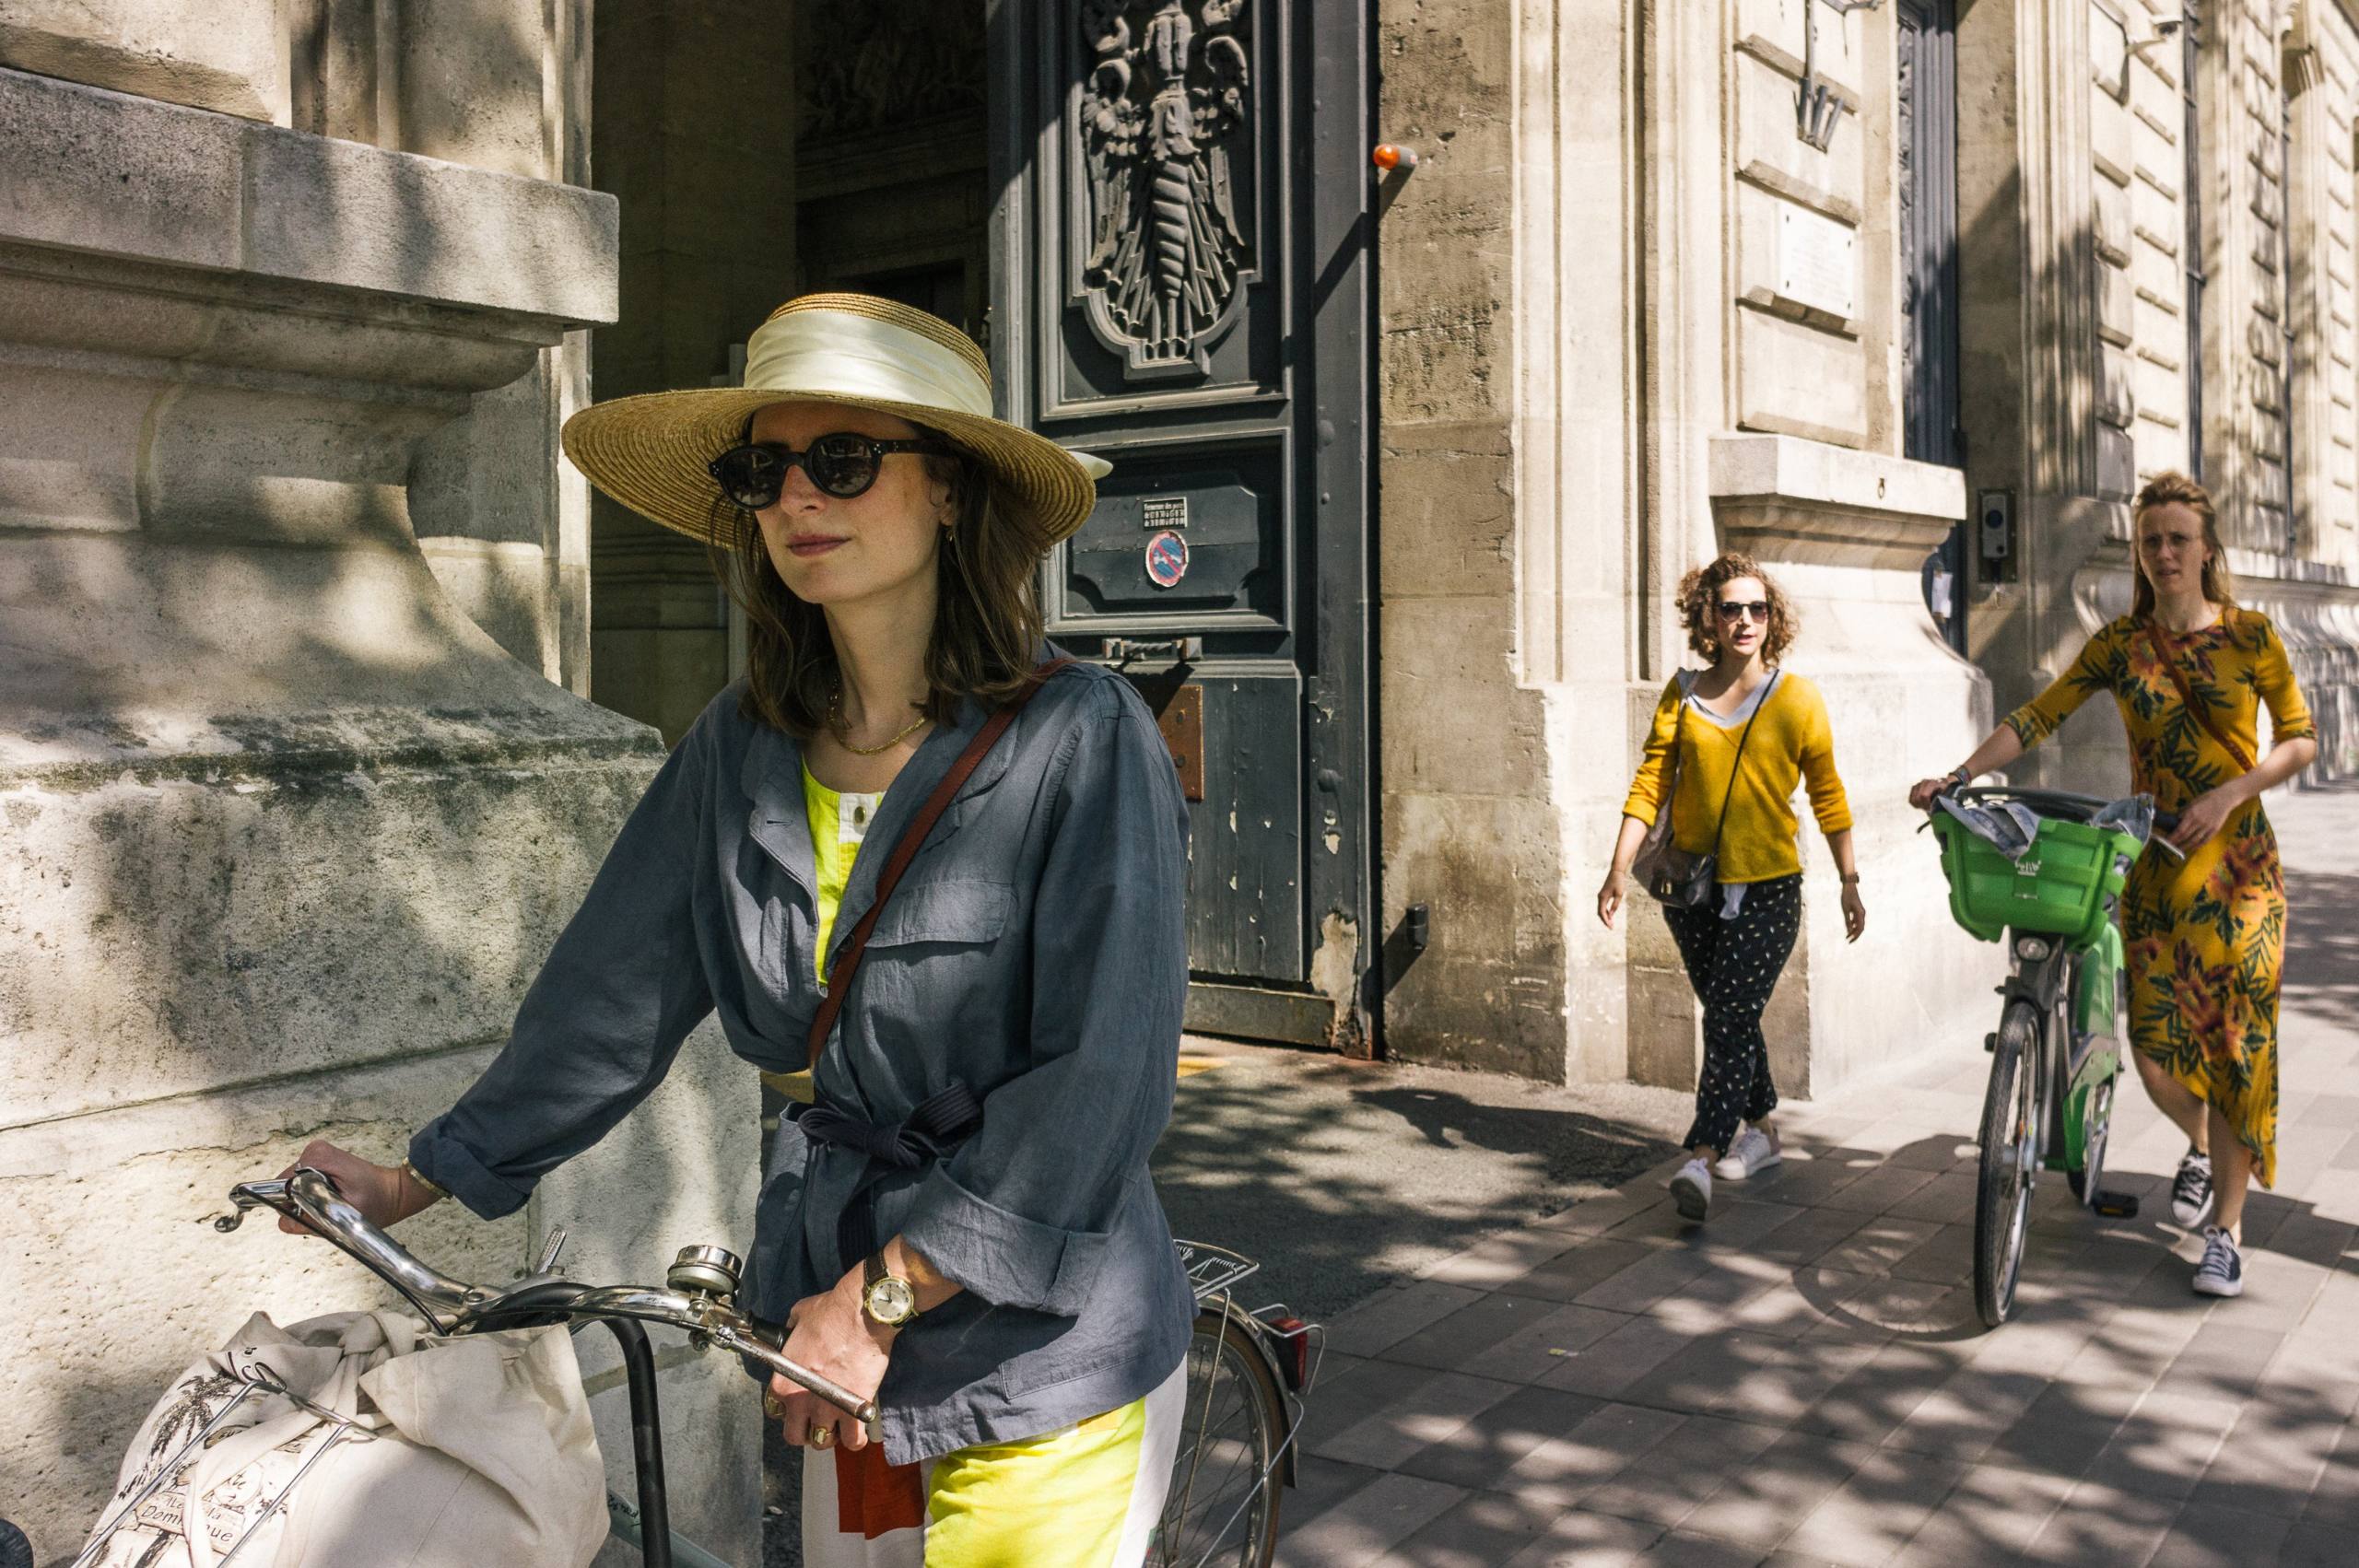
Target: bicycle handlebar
{"x": 451, "y": 1307}
{"x": 2057, "y": 803}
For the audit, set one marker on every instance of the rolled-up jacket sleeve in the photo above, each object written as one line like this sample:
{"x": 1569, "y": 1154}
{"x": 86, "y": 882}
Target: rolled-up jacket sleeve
{"x": 1021, "y": 1213}
{"x": 602, "y": 1023}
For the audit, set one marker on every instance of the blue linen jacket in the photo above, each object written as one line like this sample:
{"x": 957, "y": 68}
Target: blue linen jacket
{"x": 1035, "y": 949}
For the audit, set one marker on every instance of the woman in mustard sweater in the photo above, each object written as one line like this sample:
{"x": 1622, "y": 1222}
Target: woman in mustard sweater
{"x": 1744, "y": 732}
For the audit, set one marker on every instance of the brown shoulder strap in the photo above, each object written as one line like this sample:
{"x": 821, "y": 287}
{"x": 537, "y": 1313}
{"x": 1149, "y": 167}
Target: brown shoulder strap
{"x": 906, "y": 849}
{"x": 2166, "y": 654}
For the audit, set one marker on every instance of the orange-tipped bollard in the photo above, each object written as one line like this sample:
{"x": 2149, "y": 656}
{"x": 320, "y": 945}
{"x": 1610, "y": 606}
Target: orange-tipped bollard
{"x": 1389, "y": 157}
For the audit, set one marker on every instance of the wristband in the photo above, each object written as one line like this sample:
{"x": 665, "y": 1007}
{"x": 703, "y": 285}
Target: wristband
{"x": 1851, "y": 881}
{"x": 432, "y": 1189}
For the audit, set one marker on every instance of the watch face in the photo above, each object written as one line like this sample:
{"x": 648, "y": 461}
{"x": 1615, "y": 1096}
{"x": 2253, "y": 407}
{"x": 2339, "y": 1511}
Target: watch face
{"x": 891, "y": 1302}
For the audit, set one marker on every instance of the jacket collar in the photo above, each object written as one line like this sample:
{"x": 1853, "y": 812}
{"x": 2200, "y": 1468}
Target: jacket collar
{"x": 780, "y": 823}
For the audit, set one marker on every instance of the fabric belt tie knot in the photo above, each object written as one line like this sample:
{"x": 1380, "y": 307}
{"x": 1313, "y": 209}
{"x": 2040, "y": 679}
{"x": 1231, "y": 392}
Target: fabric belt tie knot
{"x": 938, "y": 1124}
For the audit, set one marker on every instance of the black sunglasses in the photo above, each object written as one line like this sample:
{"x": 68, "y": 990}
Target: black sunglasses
{"x": 841, "y": 464}
{"x": 1758, "y": 609}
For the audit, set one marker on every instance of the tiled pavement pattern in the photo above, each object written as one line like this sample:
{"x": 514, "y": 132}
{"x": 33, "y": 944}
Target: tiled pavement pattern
{"x": 1804, "y": 1380}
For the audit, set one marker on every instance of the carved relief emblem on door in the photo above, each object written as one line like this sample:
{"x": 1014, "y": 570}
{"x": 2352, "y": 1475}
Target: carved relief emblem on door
{"x": 1164, "y": 118}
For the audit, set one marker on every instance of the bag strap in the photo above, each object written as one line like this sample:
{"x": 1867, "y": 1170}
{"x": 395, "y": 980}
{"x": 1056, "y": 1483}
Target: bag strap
{"x": 1678, "y": 732}
{"x": 905, "y": 850}
{"x": 1730, "y": 798}
{"x": 2166, "y": 655}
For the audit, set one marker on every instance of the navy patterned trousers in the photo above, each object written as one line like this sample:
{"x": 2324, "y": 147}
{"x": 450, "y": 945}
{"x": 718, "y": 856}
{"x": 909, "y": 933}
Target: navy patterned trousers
{"x": 1735, "y": 964}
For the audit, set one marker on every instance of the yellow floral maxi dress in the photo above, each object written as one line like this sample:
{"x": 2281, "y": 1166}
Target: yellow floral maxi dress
{"x": 2204, "y": 938}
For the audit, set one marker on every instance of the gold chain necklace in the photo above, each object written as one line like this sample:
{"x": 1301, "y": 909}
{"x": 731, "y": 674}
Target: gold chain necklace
{"x": 843, "y": 731}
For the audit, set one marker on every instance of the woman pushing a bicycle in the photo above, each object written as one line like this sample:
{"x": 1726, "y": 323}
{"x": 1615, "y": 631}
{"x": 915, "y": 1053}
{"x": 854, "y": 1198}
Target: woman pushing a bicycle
{"x": 1712, "y": 807}
{"x": 2204, "y": 936}
{"x": 959, "y": 1222}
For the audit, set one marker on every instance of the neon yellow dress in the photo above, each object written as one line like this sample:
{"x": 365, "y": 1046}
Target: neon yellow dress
{"x": 2205, "y": 938}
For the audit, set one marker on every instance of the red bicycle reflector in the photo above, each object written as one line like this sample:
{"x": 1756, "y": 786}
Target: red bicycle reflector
{"x": 1294, "y": 1350}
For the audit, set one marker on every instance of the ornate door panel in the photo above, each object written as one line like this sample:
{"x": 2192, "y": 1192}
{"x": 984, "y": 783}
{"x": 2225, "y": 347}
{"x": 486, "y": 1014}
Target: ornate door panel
{"x": 1181, "y": 285}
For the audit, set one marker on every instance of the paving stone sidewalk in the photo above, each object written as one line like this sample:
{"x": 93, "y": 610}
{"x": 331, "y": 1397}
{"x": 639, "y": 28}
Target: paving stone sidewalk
{"x": 1804, "y": 1380}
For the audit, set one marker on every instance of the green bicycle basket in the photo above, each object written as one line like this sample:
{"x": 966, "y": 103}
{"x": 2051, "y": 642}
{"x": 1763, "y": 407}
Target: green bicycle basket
{"x": 2065, "y": 885}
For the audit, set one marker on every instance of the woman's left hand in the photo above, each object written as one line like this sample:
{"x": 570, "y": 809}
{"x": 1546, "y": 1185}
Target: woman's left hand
{"x": 2203, "y": 816}
{"x": 833, "y": 1337}
{"x": 1855, "y": 912}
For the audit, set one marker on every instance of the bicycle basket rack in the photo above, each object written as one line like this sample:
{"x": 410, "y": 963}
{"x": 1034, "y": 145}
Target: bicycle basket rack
{"x": 251, "y": 1381}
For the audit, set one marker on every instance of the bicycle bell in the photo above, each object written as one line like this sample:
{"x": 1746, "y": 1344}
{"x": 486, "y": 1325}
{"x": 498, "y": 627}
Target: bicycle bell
{"x": 711, "y": 1270}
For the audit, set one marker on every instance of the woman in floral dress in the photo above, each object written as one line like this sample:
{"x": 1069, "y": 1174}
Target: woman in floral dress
{"x": 2205, "y": 936}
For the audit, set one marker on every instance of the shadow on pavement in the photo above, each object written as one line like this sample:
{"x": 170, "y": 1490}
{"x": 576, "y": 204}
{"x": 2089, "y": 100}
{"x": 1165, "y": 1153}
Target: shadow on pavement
{"x": 1339, "y": 1194}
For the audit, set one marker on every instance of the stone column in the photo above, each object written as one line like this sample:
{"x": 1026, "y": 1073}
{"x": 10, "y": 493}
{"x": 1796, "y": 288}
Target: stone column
{"x": 287, "y": 832}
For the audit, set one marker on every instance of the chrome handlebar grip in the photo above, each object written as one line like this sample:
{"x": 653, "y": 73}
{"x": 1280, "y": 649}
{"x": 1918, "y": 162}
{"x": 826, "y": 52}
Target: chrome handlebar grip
{"x": 310, "y": 1200}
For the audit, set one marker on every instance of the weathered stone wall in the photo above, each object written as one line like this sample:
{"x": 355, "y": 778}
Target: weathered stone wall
{"x": 1471, "y": 807}
{"x": 287, "y": 832}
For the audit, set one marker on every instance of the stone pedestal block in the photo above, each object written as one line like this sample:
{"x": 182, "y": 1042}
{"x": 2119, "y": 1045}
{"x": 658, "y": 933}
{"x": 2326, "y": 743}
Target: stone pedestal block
{"x": 288, "y": 833}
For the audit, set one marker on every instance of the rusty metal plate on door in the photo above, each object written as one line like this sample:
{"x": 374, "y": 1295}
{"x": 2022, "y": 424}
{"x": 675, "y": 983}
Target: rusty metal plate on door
{"x": 1182, "y": 723}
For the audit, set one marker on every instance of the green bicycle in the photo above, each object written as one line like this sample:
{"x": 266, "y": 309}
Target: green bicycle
{"x": 2060, "y": 1041}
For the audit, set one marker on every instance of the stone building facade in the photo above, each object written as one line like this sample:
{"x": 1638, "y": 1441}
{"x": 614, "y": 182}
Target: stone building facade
{"x": 1674, "y": 278}
{"x": 301, "y": 607}
{"x": 298, "y": 775}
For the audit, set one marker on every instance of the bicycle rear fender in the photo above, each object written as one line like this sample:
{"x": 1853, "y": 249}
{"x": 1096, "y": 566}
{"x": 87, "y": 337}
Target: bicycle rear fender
{"x": 2093, "y": 999}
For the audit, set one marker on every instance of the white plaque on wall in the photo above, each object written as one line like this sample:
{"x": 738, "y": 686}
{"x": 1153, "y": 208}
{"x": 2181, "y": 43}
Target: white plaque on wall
{"x": 1818, "y": 263}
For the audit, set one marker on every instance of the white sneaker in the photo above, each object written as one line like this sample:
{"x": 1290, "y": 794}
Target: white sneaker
{"x": 1691, "y": 1189}
{"x": 2191, "y": 1192}
{"x": 2221, "y": 1271}
{"x": 1753, "y": 1153}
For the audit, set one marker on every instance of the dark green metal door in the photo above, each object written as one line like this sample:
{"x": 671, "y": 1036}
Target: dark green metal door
{"x": 1179, "y": 257}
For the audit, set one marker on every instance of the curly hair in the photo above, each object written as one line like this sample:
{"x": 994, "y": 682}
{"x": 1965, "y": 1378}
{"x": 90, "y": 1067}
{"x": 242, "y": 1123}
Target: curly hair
{"x": 1699, "y": 594}
{"x": 987, "y": 620}
{"x": 2172, "y": 487}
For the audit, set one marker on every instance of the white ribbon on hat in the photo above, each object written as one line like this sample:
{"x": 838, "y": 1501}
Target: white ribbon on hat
{"x": 835, "y": 353}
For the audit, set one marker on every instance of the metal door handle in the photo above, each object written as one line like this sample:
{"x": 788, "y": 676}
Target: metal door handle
{"x": 1172, "y": 651}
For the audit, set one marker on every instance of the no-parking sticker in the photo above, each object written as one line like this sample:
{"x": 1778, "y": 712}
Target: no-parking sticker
{"x": 1166, "y": 559}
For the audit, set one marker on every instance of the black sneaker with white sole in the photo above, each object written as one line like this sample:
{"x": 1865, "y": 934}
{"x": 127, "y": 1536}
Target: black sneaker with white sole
{"x": 2192, "y": 1190}
{"x": 2222, "y": 1272}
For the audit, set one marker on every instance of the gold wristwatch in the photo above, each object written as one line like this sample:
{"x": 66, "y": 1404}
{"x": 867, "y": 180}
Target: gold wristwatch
{"x": 889, "y": 1301}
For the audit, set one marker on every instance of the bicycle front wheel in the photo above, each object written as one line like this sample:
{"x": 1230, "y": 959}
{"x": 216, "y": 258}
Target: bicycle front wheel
{"x": 1222, "y": 1511}
{"x": 2011, "y": 1128}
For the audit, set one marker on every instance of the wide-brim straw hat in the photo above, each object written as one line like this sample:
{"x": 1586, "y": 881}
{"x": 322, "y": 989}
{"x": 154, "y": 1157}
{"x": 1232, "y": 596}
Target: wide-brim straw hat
{"x": 650, "y": 452}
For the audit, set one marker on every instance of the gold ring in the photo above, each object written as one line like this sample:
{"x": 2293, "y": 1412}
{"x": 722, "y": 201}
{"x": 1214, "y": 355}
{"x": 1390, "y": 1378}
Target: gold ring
{"x": 772, "y": 1406}
{"x": 822, "y": 1437}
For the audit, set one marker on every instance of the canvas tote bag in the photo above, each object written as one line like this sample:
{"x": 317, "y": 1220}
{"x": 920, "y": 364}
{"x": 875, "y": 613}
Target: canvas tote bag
{"x": 464, "y": 1452}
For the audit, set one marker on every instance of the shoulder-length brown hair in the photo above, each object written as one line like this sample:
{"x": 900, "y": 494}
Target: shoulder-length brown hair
{"x": 2162, "y": 490}
{"x": 986, "y": 621}
{"x": 1700, "y": 607}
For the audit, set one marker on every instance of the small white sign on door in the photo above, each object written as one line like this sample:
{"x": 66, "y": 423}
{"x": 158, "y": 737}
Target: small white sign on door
{"x": 1818, "y": 263}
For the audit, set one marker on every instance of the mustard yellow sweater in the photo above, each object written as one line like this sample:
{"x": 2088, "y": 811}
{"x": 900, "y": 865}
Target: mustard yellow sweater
{"x": 1790, "y": 740}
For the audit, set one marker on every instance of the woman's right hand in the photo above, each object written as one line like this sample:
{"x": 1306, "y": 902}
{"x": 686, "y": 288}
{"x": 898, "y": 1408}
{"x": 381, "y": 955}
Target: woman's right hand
{"x": 380, "y": 1192}
{"x": 1921, "y": 793}
{"x": 1608, "y": 895}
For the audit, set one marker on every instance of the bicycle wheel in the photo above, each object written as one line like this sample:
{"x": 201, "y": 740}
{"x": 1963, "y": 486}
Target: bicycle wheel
{"x": 1222, "y": 1511}
{"x": 2010, "y": 1112}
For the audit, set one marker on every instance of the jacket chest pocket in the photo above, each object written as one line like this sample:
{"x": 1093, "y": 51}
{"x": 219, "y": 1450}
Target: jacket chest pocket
{"x": 934, "y": 957}
{"x": 962, "y": 912}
